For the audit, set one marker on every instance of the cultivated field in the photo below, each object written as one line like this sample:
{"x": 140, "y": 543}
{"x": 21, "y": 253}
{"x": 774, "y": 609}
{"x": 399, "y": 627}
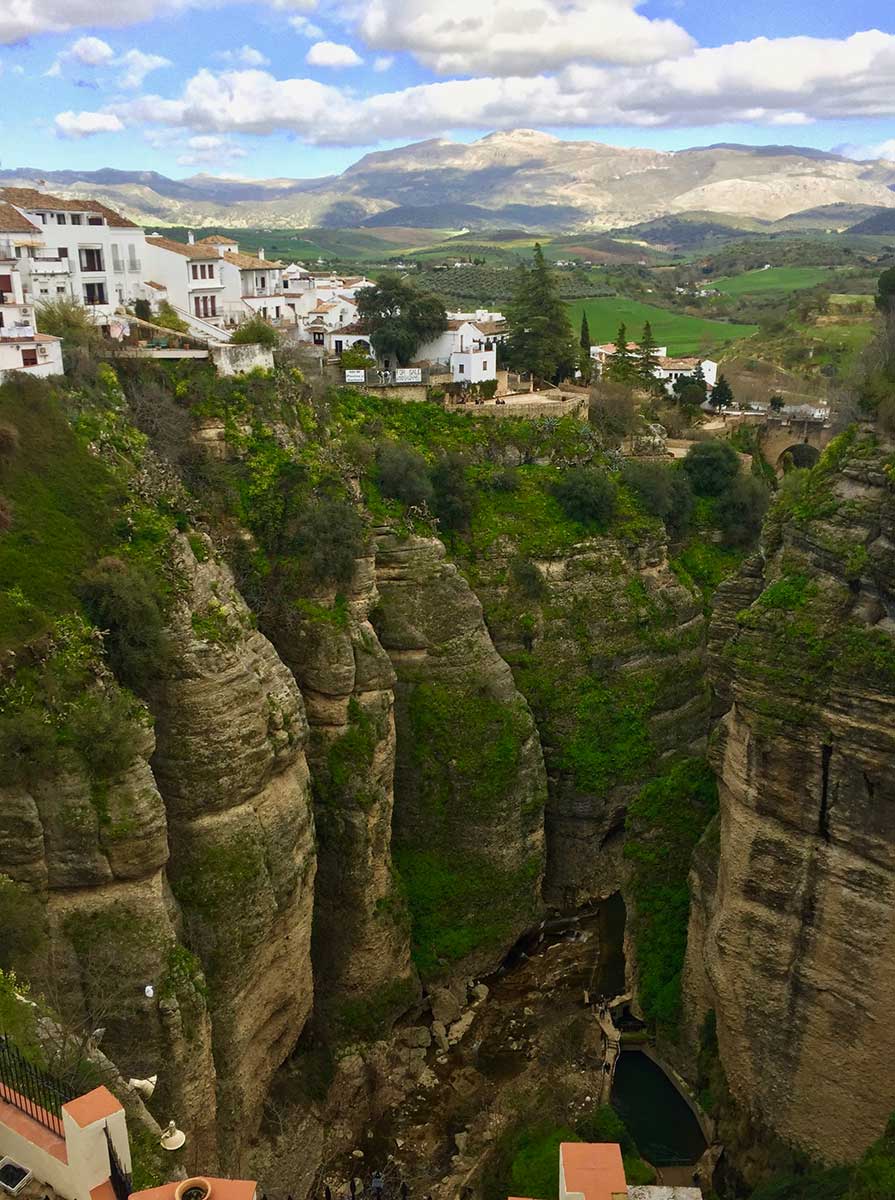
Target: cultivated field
{"x": 775, "y": 279}
{"x": 682, "y": 334}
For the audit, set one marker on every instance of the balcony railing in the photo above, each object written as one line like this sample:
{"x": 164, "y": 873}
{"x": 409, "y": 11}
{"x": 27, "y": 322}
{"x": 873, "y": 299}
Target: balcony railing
{"x": 11, "y": 332}
{"x": 30, "y": 1090}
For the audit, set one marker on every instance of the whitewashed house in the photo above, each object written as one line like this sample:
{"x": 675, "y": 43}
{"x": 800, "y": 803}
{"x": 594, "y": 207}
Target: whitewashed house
{"x": 667, "y": 369}
{"x": 85, "y": 250}
{"x": 22, "y": 348}
{"x": 188, "y": 276}
{"x": 602, "y": 354}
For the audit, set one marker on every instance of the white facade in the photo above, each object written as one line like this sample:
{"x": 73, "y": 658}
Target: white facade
{"x": 466, "y": 347}
{"x": 668, "y": 370}
{"x": 84, "y": 250}
{"x": 191, "y": 278}
{"x": 22, "y": 348}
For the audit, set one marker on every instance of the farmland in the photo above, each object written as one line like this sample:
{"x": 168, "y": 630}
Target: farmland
{"x": 681, "y": 333}
{"x": 774, "y": 279}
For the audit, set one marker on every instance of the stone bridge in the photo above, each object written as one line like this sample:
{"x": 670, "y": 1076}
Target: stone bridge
{"x": 803, "y": 438}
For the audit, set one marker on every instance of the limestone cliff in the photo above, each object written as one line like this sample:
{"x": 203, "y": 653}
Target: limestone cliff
{"x": 230, "y": 764}
{"x": 608, "y": 648}
{"x": 792, "y": 935}
{"x": 361, "y": 943}
{"x": 469, "y": 778}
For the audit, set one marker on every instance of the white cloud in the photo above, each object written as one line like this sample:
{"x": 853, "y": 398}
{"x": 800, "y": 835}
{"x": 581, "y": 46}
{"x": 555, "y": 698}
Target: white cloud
{"x": 877, "y": 150}
{"x": 86, "y": 52}
{"x": 783, "y": 82}
{"x": 468, "y": 37}
{"x": 85, "y": 124}
{"x": 22, "y": 19}
{"x": 246, "y": 56}
{"x": 332, "y": 54}
{"x": 305, "y": 28}
{"x": 384, "y": 62}
{"x": 137, "y": 66}
{"x": 209, "y": 150}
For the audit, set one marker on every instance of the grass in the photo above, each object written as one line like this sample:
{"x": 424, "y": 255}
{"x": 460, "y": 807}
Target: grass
{"x": 64, "y": 501}
{"x": 775, "y": 279}
{"x": 682, "y": 334}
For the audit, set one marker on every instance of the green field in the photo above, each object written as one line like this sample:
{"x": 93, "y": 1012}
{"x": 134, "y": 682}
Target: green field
{"x": 682, "y": 334}
{"x": 775, "y": 279}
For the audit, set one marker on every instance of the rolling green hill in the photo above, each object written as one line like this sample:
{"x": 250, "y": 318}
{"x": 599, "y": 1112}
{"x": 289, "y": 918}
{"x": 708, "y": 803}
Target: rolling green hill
{"x": 681, "y": 333}
{"x": 775, "y": 279}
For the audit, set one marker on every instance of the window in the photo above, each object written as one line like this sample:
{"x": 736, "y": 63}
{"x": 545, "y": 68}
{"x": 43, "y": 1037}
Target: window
{"x": 213, "y": 305}
{"x": 91, "y": 260}
{"x": 44, "y": 291}
{"x": 62, "y": 252}
{"x": 29, "y": 356}
{"x": 204, "y": 306}
{"x": 5, "y": 284}
{"x": 461, "y": 370}
{"x": 318, "y": 338}
{"x": 211, "y": 270}
{"x": 60, "y": 289}
{"x": 94, "y": 293}
{"x": 60, "y": 218}
{"x": 43, "y": 218}
{"x": 132, "y": 260}
{"x": 94, "y": 220}
{"x": 117, "y": 264}
{"x": 76, "y": 219}
{"x": 197, "y": 306}
{"x": 195, "y": 271}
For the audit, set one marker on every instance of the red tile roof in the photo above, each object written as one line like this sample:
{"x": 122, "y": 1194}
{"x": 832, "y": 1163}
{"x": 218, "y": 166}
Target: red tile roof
{"x": 593, "y": 1169}
{"x": 36, "y": 201}
{"x": 93, "y": 1106}
{"x": 188, "y": 250}
{"x": 12, "y": 221}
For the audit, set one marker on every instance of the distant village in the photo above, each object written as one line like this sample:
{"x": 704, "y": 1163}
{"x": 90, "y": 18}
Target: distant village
{"x": 52, "y": 247}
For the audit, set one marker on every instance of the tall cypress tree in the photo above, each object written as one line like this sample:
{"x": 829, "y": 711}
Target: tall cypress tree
{"x": 584, "y": 338}
{"x": 647, "y": 357}
{"x": 721, "y": 396}
{"x": 540, "y": 339}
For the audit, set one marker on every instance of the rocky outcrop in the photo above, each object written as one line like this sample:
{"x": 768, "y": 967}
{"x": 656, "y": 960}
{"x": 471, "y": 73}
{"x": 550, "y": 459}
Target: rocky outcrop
{"x": 792, "y": 935}
{"x": 608, "y": 648}
{"x": 469, "y": 780}
{"x": 361, "y": 943}
{"x": 93, "y": 852}
{"x": 230, "y": 765}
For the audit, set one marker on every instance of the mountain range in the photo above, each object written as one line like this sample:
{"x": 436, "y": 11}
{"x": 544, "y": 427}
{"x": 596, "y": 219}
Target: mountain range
{"x": 524, "y": 179}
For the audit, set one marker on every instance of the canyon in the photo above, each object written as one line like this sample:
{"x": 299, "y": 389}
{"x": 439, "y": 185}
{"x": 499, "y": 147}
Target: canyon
{"x": 340, "y": 806}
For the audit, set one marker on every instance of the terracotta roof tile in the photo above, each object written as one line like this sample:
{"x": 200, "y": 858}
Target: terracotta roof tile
{"x": 215, "y": 239}
{"x": 184, "y": 248}
{"x": 594, "y": 1169}
{"x": 36, "y": 201}
{"x": 12, "y": 221}
{"x": 248, "y": 262}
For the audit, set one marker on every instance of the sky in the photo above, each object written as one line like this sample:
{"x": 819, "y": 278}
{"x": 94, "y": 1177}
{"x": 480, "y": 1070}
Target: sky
{"x": 303, "y": 88}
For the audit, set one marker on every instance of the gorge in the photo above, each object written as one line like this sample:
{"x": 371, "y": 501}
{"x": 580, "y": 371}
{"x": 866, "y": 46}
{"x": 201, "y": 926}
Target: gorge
{"x": 331, "y": 759}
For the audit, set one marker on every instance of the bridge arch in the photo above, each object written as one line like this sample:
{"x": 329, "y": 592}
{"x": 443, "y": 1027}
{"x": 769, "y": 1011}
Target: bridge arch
{"x": 799, "y": 454}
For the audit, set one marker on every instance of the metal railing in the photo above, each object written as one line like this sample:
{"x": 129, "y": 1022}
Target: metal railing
{"x": 31, "y": 1090}
{"x": 118, "y": 1177}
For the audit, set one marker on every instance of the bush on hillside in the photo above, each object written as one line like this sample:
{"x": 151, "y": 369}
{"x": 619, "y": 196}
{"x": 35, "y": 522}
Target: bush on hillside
{"x": 5, "y": 514}
{"x": 586, "y": 495}
{"x": 255, "y": 332}
{"x": 613, "y": 410}
{"x": 528, "y": 578}
{"x": 402, "y": 474}
{"x": 9, "y": 441}
{"x": 27, "y": 746}
{"x": 168, "y": 319}
{"x": 453, "y": 497}
{"x": 712, "y": 467}
{"x": 22, "y": 918}
{"x": 124, "y": 601}
{"x": 67, "y": 319}
{"x": 741, "y": 511}
{"x": 535, "y": 1167}
{"x": 356, "y": 358}
{"x": 330, "y": 536}
{"x": 663, "y": 490}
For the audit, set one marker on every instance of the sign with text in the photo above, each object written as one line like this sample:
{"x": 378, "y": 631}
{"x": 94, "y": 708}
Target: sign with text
{"x": 409, "y": 375}
{"x": 355, "y": 376}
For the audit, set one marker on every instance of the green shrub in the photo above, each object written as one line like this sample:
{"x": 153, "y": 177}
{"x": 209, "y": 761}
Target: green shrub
{"x": 22, "y": 919}
{"x": 402, "y": 474}
{"x": 663, "y": 490}
{"x": 255, "y": 331}
{"x": 505, "y": 480}
{"x": 527, "y": 577}
{"x": 9, "y": 440}
{"x": 741, "y": 510}
{"x": 535, "y": 1167}
{"x": 712, "y": 467}
{"x": 453, "y": 496}
{"x": 28, "y": 748}
{"x": 168, "y": 319}
{"x": 123, "y": 600}
{"x": 67, "y": 319}
{"x": 104, "y": 732}
{"x": 586, "y": 495}
{"x": 330, "y": 535}
{"x": 5, "y": 515}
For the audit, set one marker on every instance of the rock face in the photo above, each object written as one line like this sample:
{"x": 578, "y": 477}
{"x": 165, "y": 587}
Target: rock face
{"x": 361, "y": 944}
{"x": 469, "y": 781}
{"x": 792, "y": 934}
{"x": 95, "y": 856}
{"x": 230, "y": 765}
{"x": 608, "y": 648}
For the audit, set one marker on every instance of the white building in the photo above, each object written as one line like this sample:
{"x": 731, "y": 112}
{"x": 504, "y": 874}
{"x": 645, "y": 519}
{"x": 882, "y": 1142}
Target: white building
{"x": 668, "y": 370}
{"x": 84, "y": 250}
{"x": 320, "y": 302}
{"x": 602, "y": 354}
{"x": 190, "y": 276}
{"x": 22, "y": 348}
{"x": 467, "y": 348}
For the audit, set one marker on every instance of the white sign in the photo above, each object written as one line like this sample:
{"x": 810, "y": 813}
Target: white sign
{"x": 409, "y": 375}
{"x": 355, "y": 376}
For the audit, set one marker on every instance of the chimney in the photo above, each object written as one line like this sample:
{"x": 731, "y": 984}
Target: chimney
{"x": 190, "y": 238}
{"x": 260, "y": 251}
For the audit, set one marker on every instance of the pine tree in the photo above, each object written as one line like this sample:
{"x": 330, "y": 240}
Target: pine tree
{"x": 620, "y": 366}
{"x": 540, "y": 339}
{"x": 647, "y": 357}
{"x": 722, "y": 396}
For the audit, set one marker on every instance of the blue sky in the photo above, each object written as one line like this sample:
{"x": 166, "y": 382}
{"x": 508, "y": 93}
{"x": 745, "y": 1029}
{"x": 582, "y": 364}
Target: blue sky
{"x": 302, "y": 88}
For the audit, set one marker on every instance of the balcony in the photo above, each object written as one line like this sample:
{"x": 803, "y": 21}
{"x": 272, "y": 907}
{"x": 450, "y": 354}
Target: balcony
{"x": 50, "y": 266}
{"x": 13, "y": 332}
{"x": 120, "y": 267}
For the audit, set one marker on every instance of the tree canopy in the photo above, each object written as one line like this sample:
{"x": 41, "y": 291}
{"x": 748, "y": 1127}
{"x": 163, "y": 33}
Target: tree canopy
{"x": 540, "y": 339}
{"x": 885, "y": 291}
{"x": 399, "y": 317}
